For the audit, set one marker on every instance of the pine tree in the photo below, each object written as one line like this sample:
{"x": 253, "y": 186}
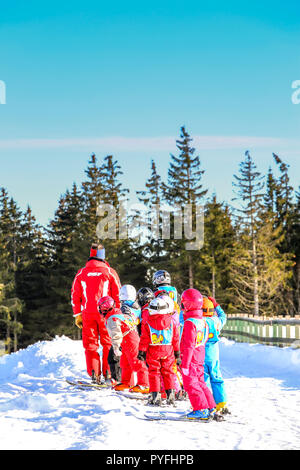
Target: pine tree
{"x": 152, "y": 199}
{"x": 93, "y": 193}
{"x": 32, "y": 279}
{"x": 270, "y": 197}
{"x": 273, "y": 271}
{"x": 184, "y": 188}
{"x": 284, "y": 195}
{"x": 249, "y": 186}
{"x": 285, "y": 216}
{"x": 260, "y": 271}
{"x": 68, "y": 251}
{"x": 121, "y": 251}
{"x": 11, "y": 307}
{"x": 213, "y": 268}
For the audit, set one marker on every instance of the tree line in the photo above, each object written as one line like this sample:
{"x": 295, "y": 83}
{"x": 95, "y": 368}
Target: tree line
{"x": 249, "y": 260}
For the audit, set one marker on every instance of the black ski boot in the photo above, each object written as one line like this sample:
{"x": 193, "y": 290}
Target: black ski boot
{"x": 155, "y": 399}
{"x": 170, "y": 397}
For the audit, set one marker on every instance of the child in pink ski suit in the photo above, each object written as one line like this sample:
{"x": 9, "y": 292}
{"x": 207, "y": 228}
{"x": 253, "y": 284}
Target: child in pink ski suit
{"x": 192, "y": 349}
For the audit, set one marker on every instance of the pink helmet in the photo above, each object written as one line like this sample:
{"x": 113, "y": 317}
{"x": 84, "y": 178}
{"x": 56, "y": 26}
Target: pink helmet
{"x": 191, "y": 299}
{"x": 105, "y": 304}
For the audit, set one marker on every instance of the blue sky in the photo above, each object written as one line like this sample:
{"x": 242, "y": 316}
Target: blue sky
{"x": 122, "y": 79}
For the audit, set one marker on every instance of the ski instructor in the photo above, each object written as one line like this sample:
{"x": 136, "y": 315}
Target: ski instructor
{"x": 95, "y": 280}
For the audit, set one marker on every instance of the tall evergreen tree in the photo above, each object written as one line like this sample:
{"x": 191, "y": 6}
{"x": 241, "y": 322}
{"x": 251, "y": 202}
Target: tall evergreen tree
{"x": 259, "y": 270}
{"x": 249, "y": 186}
{"x": 152, "y": 198}
{"x": 213, "y": 268}
{"x": 285, "y": 217}
{"x": 122, "y": 251}
{"x": 93, "y": 194}
{"x": 270, "y": 198}
{"x": 295, "y": 248}
{"x": 184, "y": 188}
{"x": 32, "y": 279}
{"x": 68, "y": 252}
{"x": 10, "y": 222}
{"x": 284, "y": 196}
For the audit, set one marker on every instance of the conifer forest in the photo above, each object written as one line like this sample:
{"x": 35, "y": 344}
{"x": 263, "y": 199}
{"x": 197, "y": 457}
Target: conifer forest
{"x": 249, "y": 261}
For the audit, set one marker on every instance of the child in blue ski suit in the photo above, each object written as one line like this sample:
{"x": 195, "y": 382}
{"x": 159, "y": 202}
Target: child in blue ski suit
{"x": 215, "y": 318}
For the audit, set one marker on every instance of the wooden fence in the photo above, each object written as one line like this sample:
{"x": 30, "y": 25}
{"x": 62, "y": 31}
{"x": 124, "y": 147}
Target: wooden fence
{"x": 277, "y": 331}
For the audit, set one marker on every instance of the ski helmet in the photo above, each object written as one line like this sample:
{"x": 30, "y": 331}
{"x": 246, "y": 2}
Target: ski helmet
{"x": 208, "y": 307}
{"x": 105, "y": 305}
{"x": 191, "y": 299}
{"x": 144, "y": 296}
{"x": 127, "y": 292}
{"x": 161, "y": 305}
{"x": 161, "y": 278}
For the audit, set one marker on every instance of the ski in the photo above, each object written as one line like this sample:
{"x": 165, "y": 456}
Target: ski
{"x": 132, "y": 395}
{"x": 83, "y": 384}
{"x": 165, "y": 416}
{"x": 178, "y": 417}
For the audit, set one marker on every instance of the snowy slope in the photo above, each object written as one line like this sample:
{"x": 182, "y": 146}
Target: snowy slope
{"x": 39, "y": 410}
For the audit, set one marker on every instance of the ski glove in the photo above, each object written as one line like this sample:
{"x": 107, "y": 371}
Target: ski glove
{"x": 141, "y": 355}
{"x": 78, "y": 321}
{"x": 213, "y": 301}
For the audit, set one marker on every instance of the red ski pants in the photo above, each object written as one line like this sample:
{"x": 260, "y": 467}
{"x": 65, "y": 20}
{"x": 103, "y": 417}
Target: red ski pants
{"x": 160, "y": 368}
{"x": 93, "y": 328}
{"x": 177, "y": 379}
{"x": 129, "y": 362}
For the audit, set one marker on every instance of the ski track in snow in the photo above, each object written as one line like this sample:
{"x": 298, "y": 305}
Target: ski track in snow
{"x": 40, "y": 411}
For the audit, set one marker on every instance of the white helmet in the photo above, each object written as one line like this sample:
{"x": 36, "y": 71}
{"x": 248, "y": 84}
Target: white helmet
{"x": 161, "y": 305}
{"x": 127, "y": 292}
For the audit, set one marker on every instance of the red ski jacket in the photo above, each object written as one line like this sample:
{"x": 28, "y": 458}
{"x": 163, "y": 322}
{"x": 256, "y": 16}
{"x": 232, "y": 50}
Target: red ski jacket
{"x": 92, "y": 282}
{"x": 159, "y": 333}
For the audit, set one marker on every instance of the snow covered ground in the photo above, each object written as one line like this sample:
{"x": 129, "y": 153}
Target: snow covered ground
{"x": 40, "y": 411}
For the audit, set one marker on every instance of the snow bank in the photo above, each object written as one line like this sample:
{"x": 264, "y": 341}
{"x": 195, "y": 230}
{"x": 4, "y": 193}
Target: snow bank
{"x": 257, "y": 360}
{"x": 48, "y": 359}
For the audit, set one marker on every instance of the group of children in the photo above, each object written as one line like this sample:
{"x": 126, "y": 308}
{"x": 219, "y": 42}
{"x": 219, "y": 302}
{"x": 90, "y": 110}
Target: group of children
{"x": 163, "y": 349}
